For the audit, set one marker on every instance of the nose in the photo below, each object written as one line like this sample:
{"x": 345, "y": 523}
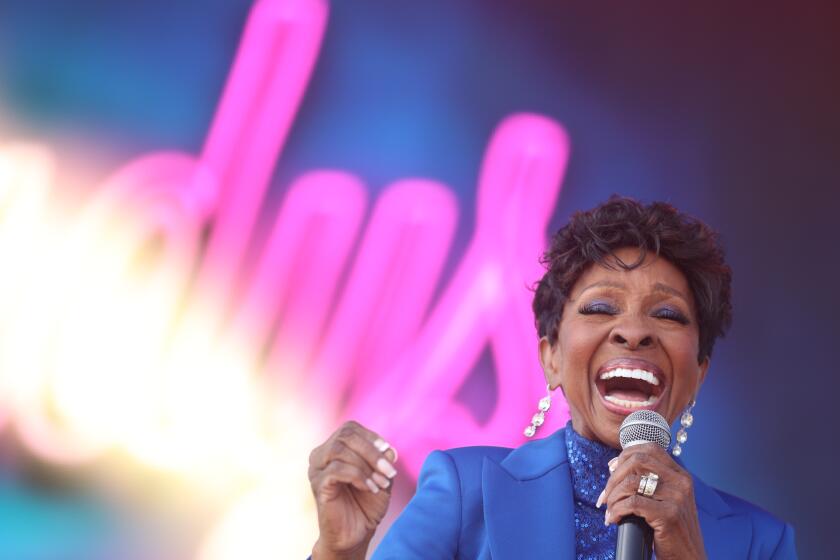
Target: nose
{"x": 633, "y": 335}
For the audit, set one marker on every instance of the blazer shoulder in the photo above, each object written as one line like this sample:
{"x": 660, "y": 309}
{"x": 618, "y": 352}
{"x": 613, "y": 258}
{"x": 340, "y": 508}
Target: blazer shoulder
{"x": 762, "y": 519}
{"x": 468, "y": 461}
{"x": 772, "y": 537}
{"x": 477, "y": 453}
{"x": 443, "y": 519}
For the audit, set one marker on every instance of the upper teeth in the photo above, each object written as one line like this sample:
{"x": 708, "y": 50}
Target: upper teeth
{"x": 632, "y": 373}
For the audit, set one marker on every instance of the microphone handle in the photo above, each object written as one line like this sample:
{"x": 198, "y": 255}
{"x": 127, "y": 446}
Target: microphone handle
{"x": 635, "y": 539}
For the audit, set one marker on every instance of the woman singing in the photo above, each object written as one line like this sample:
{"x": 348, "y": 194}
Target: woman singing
{"x": 628, "y": 311}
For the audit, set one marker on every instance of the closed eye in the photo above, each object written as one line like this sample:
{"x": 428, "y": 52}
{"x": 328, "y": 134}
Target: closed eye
{"x": 671, "y": 315}
{"x": 598, "y": 308}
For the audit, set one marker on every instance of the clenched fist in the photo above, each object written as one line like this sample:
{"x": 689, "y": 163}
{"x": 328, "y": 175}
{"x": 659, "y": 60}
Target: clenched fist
{"x": 351, "y": 476}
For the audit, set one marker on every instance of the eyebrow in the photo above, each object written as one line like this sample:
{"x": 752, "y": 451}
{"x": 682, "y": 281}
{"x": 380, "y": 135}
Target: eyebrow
{"x": 658, "y": 287}
{"x": 603, "y": 284}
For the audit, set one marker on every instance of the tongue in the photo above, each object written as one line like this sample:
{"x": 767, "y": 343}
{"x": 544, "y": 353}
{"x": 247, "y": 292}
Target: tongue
{"x": 628, "y": 395}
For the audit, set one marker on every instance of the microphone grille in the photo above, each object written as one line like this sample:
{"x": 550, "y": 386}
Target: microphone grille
{"x": 644, "y": 426}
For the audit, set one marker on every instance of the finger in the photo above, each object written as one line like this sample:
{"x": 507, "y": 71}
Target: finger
{"x": 379, "y": 443}
{"x": 649, "y": 452}
{"x": 612, "y": 464}
{"x": 342, "y": 453}
{"x": 353, "y": 443}
{"x": 359, "y": 441}
{"x": 385, "y": 448}
{"x": 351, "y": 426}
{"x": 320, "y": 456}
{"x": 655, "y": 513}
{"x": 351, "y": 433}
{"x": 619, "y": 490}
{"x": 670, "y": 489}
{"x": 640, "y": 460}
{"x": 339, "y": 473}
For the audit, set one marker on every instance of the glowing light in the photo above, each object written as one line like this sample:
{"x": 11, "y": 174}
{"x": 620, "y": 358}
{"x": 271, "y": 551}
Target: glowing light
{"x": 25, "y": 176}
{"x": 487, "y": 303}
{"x": 123, "y": 335}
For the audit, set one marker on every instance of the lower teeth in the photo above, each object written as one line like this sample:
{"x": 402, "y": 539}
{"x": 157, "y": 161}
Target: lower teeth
{"x": 629, "y": 404}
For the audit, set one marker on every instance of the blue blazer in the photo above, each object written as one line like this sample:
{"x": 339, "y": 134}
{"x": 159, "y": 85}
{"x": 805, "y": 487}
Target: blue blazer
{"x": 494, "y": 502}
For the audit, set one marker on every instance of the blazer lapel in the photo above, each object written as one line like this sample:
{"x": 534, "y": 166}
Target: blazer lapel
{"x": 529, "y": 507}
{"x": 726, "y": 534}
{"x": 528, "y": 502}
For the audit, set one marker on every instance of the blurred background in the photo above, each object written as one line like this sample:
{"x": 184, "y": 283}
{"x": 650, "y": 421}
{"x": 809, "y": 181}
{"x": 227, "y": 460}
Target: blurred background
{"x": 729, "y": 112}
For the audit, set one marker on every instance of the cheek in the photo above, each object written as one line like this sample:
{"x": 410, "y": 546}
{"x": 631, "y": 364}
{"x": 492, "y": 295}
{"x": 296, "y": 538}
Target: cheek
{"x": 687, "y": 369}
{"x": 578, "y": 346}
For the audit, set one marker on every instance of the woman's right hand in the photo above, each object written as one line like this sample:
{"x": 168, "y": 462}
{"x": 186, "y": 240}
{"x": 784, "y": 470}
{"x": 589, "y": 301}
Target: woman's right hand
{"x": 351, "y": 476}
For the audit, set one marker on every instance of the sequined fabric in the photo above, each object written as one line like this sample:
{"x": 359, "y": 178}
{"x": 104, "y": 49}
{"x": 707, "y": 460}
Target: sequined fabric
{"x": 588, "y": 465}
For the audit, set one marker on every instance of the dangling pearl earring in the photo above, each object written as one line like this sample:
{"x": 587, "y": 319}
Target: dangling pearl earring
{"x": 686, "y": 420}
{"x": 538, "y": 418}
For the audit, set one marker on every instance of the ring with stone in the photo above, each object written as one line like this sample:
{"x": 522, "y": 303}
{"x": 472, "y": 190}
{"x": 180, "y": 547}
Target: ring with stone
{"x": 651, "y": 481}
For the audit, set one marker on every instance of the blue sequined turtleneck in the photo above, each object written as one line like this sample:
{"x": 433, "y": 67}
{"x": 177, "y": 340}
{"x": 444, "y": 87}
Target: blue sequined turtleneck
{"x": 588, "y": 465}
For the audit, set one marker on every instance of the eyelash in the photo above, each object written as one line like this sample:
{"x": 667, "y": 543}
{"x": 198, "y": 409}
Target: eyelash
{"x": 597, "y": 308}
{"x": 672, "y": 315}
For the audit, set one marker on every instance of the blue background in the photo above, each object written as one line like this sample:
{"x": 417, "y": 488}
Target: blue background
{"x": 729, "y": 112}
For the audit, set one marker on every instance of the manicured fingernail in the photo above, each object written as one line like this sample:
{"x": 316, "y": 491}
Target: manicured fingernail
{"x": 386, "y": 468}
{"x": 613, "y": 462}
{"x": 394, "y": 449}
{"x": 381, "y": 445}
{"x": 600, "y": 501}
{"x": 607, "y": 518}
{"x": 372, "y": 485}
{"x": 380, "y": 480}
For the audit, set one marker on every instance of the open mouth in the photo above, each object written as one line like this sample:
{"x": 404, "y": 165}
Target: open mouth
{"x": 625, "y": 387}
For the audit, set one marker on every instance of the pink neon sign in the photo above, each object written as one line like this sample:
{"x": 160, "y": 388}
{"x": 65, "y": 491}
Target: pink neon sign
{"x": 351, "y": 310}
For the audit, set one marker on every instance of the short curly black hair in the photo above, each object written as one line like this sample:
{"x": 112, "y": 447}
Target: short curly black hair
{"x": 592, "y": 236}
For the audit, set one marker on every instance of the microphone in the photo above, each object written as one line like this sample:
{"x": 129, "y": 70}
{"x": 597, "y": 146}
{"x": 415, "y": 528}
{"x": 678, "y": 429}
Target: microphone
{"x": 635, "y": 537}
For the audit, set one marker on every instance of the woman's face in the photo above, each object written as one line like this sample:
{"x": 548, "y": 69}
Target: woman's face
{"x": 627, "y": 340}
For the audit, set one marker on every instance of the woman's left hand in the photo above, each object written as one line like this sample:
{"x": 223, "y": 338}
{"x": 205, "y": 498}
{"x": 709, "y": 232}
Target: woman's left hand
{"x": 670, "y": 511}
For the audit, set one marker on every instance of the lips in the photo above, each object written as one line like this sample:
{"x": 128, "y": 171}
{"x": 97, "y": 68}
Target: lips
{"x": 629, "y": 384}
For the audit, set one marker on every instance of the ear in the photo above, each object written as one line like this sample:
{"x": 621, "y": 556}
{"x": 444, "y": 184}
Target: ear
{"x": 703, "y": 368}
{"x": 550, "y": 361}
